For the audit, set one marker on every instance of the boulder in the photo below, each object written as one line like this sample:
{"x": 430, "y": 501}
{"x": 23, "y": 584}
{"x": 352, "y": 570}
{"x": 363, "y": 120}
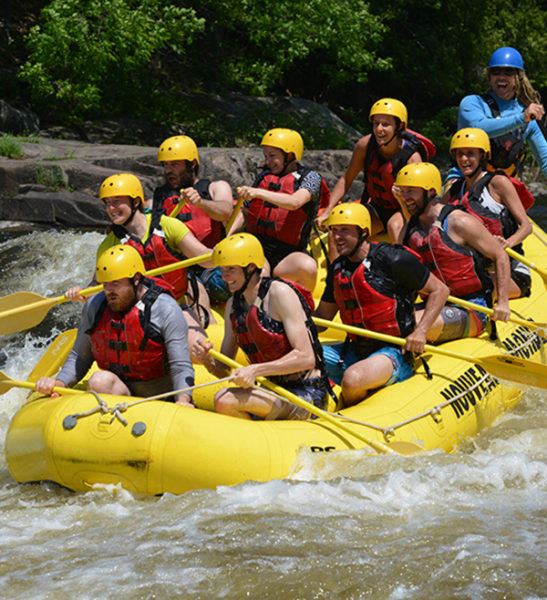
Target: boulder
{"x": 57, "y": 182}
{"x": 17, "y": 120}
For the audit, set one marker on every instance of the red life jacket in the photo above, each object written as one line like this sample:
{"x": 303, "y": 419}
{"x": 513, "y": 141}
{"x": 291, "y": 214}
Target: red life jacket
{"x": 156, "y": 252}
{"x": 127, "y": 344}
{"x": 370, "y": 298}
{"x": 379, "y": 173}
{"x": 262, "y": 338}
{"x": 461, "y": 269}
{"x": 289, "y": 226}
{"x": 207, "y": 230}
{"x": 502, "y": 223}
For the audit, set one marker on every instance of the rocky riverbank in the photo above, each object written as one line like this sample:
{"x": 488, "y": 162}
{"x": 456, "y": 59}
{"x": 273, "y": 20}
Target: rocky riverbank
{"x": 57, "y": 181}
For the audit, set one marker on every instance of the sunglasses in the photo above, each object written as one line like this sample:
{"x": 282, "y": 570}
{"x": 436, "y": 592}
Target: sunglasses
{"x": 503, "y": 71}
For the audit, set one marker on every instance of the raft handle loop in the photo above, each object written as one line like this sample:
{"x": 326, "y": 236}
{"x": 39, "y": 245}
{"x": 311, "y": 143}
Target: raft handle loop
{"x": 436, "y": 414}
{"x": 389, "y": 433}
{"x": 117, "y": 410}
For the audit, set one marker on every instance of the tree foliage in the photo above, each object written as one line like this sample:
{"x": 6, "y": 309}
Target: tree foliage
{"x": 257, "y": 43}
{"x": 83, "y": 53}
{"x": 148, "y": 58}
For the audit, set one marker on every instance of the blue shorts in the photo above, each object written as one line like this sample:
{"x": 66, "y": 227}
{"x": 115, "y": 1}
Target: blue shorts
{"x": 401, "y": 368}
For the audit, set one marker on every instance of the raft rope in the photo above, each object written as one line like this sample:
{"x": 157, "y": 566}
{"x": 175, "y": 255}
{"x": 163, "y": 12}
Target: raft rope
{"x": 117, "y": 410}
{"x": 388, "y": 432}
{"x": 435, "y": 412}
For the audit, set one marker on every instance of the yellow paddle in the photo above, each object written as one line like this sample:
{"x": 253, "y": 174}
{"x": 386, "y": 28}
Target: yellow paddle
{"x": 234, "y": 214}
{"x": 489, "y": 311}
{"x": 54, "y": 357}
{"x": 541, "y": 272}
{"x": 6, "y": 383}
{"x": 177, "y": 208}
{"x": 397, "y": 447}
{"x": 503, "y": 366}
{"x": 23, "y": 310}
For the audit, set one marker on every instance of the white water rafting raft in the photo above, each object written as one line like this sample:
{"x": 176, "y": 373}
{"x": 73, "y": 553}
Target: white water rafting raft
{"x": 152, "y": 446}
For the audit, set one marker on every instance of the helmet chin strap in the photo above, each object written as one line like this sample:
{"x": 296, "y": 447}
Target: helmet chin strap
{"x": 134, "y": 209}
{"x": 426, "y": 201}
{"x": 286, "y": 162}
{"x": 395, "y": 134}
{"x": 362, "y": 238}
{"x": 248, "y": 275}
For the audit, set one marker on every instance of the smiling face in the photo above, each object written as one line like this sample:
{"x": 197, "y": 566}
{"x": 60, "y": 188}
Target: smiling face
{"x": 346, "y": 238}
{"x": 118, "y": 208}
{"x": 413, "y": 199}
{"x": 233, "y": 276}
{"x": 384, "y": 128}
{"x": 468, "y": 159}
{"x": 503, "y": 82}
{"x": 178, "y": 174}
{"x": 274, "y": 159}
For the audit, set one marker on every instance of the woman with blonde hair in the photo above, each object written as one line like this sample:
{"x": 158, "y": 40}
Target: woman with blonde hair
{"x": 510, "y": 113}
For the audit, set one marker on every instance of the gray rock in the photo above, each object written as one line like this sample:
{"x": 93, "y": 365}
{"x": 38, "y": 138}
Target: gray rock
{"x": 17, "y": 120}
{"x": 57, "y": 182}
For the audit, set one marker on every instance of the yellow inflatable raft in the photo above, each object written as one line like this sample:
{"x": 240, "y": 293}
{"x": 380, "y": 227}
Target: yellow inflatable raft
{"x": 153, "y": 447}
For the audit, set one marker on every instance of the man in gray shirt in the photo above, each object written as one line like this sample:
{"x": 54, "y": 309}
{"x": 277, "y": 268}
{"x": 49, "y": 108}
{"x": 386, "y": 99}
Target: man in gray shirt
{"x": 134, "y": 330}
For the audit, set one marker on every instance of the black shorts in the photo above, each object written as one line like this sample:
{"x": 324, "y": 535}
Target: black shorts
{"x": 523, "y": 280}
{"x": 275, "y": 251}
{"x": 384, "y": 214}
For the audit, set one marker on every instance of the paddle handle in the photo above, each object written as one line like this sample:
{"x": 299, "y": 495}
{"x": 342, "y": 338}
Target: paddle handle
{"x": 177, "y": 208}
{"x": 234, "y": 214}
{"x": 50, "y": 302}
{"x": 520, "y": 258}
{"x": 29, "y": 385}
{"x": 188, "y": 262}
{"x": 526, "y": 262}
{"x": 390, "y": 339}
{"x": 490, "y": 312}
{"x": 181, "y": 264}
{"x": 314, "y": 410}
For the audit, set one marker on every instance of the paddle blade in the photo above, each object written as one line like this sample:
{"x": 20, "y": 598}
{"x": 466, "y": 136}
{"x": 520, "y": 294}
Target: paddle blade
{"x": 55, "y": 355}
{"x": 515, "y": 369}
{"x": 23, "y": 310}
{"x": 6, "y": 383}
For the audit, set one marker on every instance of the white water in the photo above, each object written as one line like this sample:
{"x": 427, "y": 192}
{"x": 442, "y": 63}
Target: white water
{"x": 437, "y": 526}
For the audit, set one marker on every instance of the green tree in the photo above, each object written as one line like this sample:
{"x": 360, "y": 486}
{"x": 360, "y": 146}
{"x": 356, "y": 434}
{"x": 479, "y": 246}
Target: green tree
{"x": 89, "y": 54}
{"x": 260, "y": 42}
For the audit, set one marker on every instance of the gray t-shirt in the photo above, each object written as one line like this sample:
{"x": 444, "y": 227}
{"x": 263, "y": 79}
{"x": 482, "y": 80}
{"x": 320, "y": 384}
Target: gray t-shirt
{"x": 167, "y": 318}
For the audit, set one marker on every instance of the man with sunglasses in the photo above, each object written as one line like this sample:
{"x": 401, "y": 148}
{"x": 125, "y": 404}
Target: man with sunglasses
{"x": 509, "y": 113}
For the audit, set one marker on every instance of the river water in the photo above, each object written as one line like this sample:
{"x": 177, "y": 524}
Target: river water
{"x": 468, "y": 525}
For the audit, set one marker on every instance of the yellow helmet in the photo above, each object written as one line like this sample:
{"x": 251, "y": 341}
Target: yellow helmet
{"x": 118, "y": 262}
{"x": 121, "y": 184}
{"x": 470, "y": 137}
{"x": 390, "y": 106}
{"x": 349, "y": 213}
{"x": 287, "y": 140}
{"x": 178, "y": 147}
{"x": 240, "y": 249}
{"x": 422, "y": 174}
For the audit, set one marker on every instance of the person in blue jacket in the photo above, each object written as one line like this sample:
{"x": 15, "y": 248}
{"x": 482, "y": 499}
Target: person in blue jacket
{"x": 509, "y": 113}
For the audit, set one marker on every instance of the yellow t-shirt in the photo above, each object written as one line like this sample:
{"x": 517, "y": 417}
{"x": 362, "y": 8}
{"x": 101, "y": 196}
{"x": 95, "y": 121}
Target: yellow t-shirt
{"x": 173, "y": 229}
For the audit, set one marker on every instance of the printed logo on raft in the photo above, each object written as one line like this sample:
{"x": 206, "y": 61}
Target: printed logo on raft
{"x": 519, "y": 344}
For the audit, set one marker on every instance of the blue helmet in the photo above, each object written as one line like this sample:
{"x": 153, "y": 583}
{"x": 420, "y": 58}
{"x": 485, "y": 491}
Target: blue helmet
{"x": 506, "y": 57}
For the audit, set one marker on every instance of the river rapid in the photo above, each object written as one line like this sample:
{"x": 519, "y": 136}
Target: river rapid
{"x": 472, "y": 524}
